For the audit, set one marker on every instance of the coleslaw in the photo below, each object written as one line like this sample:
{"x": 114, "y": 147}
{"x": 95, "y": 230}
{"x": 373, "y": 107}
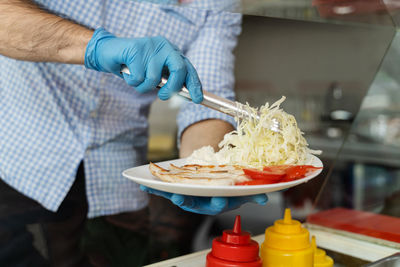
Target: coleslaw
{"x": 253, "y": 144}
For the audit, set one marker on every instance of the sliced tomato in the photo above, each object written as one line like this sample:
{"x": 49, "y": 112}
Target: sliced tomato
{"x": 264, "y": 175}
{"x": 276, "y": 174}
{"x": 299, "y": 171}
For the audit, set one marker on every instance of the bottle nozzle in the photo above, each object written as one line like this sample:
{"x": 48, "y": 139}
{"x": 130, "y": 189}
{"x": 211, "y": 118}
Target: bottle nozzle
{"x": 287, "y": 219}
{"x": 237, "y": 228}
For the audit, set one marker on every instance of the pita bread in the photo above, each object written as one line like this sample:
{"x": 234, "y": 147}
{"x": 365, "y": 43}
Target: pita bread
{"x": 200, "y": 174}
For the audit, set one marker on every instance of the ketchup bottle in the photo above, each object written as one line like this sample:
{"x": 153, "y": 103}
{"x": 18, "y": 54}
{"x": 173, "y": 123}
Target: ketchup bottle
{"x": 234, "y": 249}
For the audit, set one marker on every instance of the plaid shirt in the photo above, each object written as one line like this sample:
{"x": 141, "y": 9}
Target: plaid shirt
{"x": 54, "y": 116}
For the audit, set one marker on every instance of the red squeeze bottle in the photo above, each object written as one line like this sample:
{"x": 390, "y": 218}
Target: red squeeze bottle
{"x": 234, "y": 249}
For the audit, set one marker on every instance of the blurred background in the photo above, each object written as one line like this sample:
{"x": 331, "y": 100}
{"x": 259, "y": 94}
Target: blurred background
{"x": 338, "y": 64}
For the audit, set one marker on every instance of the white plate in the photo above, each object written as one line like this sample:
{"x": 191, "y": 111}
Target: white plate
{"x": 142, "y": 175}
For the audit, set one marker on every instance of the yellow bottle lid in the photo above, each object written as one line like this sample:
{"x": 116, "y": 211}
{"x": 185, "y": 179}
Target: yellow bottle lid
{"x": 287, "y": 234}
{"x": 320, "y": 257}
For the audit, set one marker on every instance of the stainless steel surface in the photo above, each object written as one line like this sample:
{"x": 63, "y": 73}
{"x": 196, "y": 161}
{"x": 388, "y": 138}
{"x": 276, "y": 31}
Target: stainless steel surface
{"x": 218, "y": 103}
{"x": 391, "y": 261}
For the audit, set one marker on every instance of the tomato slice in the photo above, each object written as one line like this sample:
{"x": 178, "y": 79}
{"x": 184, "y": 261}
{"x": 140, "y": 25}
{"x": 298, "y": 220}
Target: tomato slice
{"x": 275, "y": 176}
{"x": 299, "y": 171}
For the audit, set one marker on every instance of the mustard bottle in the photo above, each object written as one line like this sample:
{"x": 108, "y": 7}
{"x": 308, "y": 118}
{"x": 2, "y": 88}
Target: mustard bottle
{"x": 320, "y": 257}
{"x": 287, "y": 244}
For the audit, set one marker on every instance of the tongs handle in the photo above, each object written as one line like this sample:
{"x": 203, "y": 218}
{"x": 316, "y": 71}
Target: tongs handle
{"x": 210, "y": 100}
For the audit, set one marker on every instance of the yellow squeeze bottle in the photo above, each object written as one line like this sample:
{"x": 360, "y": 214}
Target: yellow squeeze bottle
{"x": 287, "y": 244}
{"x": 320, "y": 257}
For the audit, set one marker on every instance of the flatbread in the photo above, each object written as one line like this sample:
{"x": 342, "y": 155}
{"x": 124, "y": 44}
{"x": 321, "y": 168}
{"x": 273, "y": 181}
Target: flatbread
{"x": 200, "y": 174}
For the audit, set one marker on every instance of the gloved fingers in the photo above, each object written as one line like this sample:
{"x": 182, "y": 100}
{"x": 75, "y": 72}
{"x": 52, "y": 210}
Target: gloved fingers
{"x": 260, "y": 199}
{"x": 181, "y": 200}
{"x": 198, "y": 205}
{"x": 177, "y": 75}
{"x": 153, "y": 76}
{"x": 156, "y": 192}
{"x": 205, "y": 205}
{"x": 137, "y": 70}
{"x": 236, "y": 202}
{"x": 193, "y": 83}
{"x": 201, "y": 205}
{"x": 219, "y": 204}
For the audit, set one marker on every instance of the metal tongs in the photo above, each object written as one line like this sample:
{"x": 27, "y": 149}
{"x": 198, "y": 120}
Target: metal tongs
{"x": 232, "y": 108}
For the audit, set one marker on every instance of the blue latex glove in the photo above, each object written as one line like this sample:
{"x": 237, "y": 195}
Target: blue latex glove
{"x": 147, "y": 59}
{"x": 207, "y": 205}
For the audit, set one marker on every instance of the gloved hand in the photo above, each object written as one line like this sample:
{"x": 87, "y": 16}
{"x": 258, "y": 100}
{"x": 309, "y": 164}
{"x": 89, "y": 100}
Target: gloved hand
{"x": 146, "y": 59}
{"x": 207, "y": 205}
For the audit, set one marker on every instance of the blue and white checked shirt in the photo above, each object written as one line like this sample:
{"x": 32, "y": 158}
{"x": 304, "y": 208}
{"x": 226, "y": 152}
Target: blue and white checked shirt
{"x": 53, "y": 116}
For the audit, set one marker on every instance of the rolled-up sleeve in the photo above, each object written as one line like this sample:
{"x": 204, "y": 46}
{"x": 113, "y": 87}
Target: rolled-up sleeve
{"x": 212, "y": 56}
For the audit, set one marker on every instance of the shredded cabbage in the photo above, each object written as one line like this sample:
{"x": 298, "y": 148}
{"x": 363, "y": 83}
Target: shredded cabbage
{"x": 253, "y": 144}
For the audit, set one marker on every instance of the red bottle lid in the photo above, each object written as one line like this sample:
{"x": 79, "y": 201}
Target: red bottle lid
{"x": 234, "y": 248}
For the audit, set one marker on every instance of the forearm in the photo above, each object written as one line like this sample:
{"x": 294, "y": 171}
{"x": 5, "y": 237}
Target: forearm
{"x": 29, "y": 33}
{"x": 203, "y": 133}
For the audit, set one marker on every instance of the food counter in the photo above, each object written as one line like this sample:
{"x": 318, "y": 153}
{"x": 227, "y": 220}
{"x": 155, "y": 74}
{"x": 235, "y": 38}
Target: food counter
{"x": 347, "y": 248}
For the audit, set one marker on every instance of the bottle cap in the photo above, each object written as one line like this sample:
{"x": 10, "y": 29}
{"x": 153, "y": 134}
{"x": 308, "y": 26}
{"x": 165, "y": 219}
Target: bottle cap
{"x": 287, "y": 234}
{"x": 320, "y": 257}
{"x": 235, "y": 245}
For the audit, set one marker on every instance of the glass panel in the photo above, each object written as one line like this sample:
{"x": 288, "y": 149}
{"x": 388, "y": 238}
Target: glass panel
{"x": 395, "y": 12}
{"x": 346, "y": 11}
{"x": 368, "y": 166}
{"x": 323, "y": 69}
